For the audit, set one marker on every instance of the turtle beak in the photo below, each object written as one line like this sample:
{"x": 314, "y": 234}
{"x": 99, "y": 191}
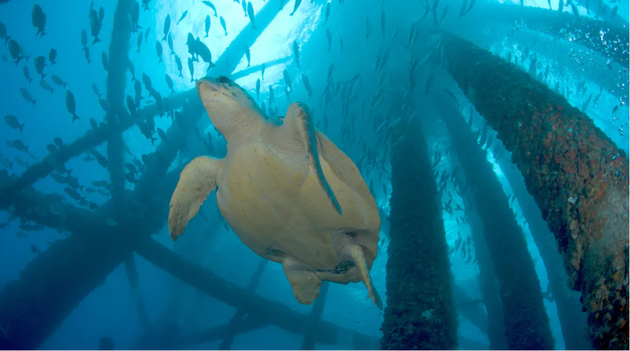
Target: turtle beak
{"x": 207, "y": 84}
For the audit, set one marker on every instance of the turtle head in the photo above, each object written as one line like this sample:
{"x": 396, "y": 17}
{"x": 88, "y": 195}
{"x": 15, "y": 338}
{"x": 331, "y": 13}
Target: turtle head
{"x": 230, "y": 108}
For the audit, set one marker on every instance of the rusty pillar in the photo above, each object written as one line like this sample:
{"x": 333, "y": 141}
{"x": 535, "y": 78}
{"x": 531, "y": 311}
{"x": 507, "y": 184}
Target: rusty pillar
{"x": 524, "y": 316}
{"x": 420, "y": 312}
{"x": 577, "y": 175}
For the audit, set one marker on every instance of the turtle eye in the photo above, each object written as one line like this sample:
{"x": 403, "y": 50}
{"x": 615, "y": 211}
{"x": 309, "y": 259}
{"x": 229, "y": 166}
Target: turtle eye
{"x": 224, "y": 79}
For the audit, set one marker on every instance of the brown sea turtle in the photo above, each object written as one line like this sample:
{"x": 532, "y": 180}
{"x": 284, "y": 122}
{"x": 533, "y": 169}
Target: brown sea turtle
{"x": 286, "y": 190}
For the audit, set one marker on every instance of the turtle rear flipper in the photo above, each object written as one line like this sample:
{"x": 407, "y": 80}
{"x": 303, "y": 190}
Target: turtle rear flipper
{"x": 303, "y": 279}
{"x": 299, "y": 117}
{"x": 196, "y": 182}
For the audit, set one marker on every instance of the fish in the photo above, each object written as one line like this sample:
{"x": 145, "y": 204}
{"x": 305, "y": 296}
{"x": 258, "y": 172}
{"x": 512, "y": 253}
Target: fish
{"x": 14, "y": 50}
{"x": 178, "y": 61}
{"x": 271, "y": 99}
{"x": 383, "y": 22}
{"x": 134, "y": 11}
{"x": 3, "y": 33}
{"x": 105, "y": 61}
{"x": 250, "y": 14}
{"x": 27, "y": 96}
{"x": 207, "y": 28}
{"x": 139, "y": 42}
{"x": 169, "y": 82}
{"x": 27, "y": 74}
{"x": 38, "y": 18}
{"x": 18, "y": 145}
{"x": 223, "y": 25}
{"x": 95, "y": 26}
{"x": 95, "y": 90}
{"x": 327, "y": 13}
{"x": 84, "y": 38}
{"x": 40, "y": 63}
{"x": 72, "y": 193}
{"x": 167, "y": 26}
{"x": 104, "y": 105}
{"x": 52, "y": 56}
{"x": 287, "y": 79}
{"x": 159, "y": 50}
{"x": 244, "y": 4}
{"x": 146, "y": 34}
{"x": 182, "y": 17}
{"x": 101, "y": 15}
{"x": 296, "y": 6}
{"x": 247, "y": 55}
{"x": 307, "y": 85}
{"x": 87, "y": 54}
{"x": 463, "y": 10}
{"x": 191, "y": 67}
{"x": 203, "y": 51}
{"x": 131, "y": 105}
{"x": 329, "y": 38}
{"x": 13, "y": 122}
{"x": 209, "y": 4}
{"x": 44, "y": 84}
{"x": 262, "y": 70}
{"x": 145, "y": 3}
{"x": 71, "y": 105}
{"x": 257, "y": 89}
{"x": 296, "y": 53}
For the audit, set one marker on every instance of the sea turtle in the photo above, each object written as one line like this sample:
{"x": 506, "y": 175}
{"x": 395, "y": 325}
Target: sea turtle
{"x": 286, "y": 190}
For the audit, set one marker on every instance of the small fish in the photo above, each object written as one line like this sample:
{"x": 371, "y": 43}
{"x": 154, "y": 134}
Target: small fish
{"x": 40, "y": 63}
{"x": 169, "y": 82}
{"x": 287, "y": 79}
{"x": 52, "y": 56}
{"x": 247, "y": 55}
{"x": 131, "y": 105}
{"x": 139, "y": 41}
{"x": 44, "y": 84}
{"x": 262, "y": 70}
{"x": 296, "y": 6}
{"x": 84, "y": 38}
{"x": 87, "y": 54}
{"x": 159, "y": 50}
{"x": 327, "y": 12}
{"x": 191, "y": 68}
{"x": 250, "y": 14}
{"x": 95, "y": 90}
{"x": 307, "y": 85}
{"x": 167, "y": 26}
{"x": 95, "y": 26}
{"x": 71, "y": 105}
{"x": 27, "y": 96}
{"x": 38, "y": 17}
{"x": 13, "y": 122}
{"x": 182, "y": 17}
{"x": 146, "y": 34}
{"x": 178, "y": 61}
{"x": 3, "y": 33}
{"x": 383, "y": 22}
{"x": 14, "y": 50}
{"x": 105, "y": 61}
{"x": 209, "y": 4}
{"x": 207, "y": 25}
{"x": 223, "y": 25}
{"x": 27, "y": 74}
{"x": 296, "y": 53}
{"x": 329, "y": 38}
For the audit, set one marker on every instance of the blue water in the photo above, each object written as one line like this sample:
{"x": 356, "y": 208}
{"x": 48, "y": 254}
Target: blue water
{"x": 110, "y": 310}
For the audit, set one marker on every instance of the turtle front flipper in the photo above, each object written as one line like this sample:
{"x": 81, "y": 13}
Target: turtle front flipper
{"x": 303, "y": 279}
{"x": 196, "y": 182}
{"x": 299, "y": 118}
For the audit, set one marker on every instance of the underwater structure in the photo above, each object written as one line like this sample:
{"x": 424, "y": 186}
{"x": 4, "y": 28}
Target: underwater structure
{"x": 574, "y": 192}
